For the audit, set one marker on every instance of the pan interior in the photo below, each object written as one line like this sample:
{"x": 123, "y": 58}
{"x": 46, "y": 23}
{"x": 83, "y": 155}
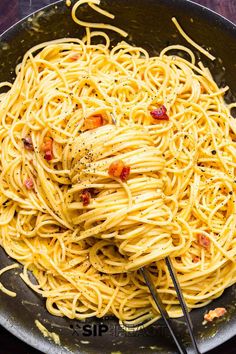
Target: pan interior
{"x": 149, "y": 25}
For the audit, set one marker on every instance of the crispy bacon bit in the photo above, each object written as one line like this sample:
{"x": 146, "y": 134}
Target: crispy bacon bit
{"x": 204, "y": 241}
{"x": 93, "y": 192}
{"x": 75, "y": 57}
{"x": 160, "y": 113}
{"x": 93, "y": 122}
{"x": 125, "y": 173}
{"x": 119, "y": 169}
{"x": 85, "y": 197}
{"x": 28, "y": 145}
{"x": 29, "y": 183}
{"x": 202, "y": 89}
{"x": 196, "y": 259}
{"x": 47, "y": 148}
{"x": 115, "y": 168}
{"x": 212, "y": 314}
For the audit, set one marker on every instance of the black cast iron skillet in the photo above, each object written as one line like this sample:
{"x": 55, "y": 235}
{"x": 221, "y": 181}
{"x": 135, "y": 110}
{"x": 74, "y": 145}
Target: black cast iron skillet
{"x": 149, "y": 25}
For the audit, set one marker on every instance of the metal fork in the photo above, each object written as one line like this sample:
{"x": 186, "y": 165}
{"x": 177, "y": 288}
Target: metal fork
{"x": 168, "y": 321}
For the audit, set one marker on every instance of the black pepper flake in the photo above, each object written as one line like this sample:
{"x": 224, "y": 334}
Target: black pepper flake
{"x": 213, "y": 152}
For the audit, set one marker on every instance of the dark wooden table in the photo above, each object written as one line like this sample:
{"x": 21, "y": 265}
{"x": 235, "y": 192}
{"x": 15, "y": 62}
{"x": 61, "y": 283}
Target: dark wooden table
{"x": 10, "y": 12}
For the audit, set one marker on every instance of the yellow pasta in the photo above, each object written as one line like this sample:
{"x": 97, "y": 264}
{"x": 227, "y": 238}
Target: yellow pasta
{"x": 178, "y": 200}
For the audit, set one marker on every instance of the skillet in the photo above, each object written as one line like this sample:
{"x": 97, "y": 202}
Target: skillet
{"x": 149, "y": 25}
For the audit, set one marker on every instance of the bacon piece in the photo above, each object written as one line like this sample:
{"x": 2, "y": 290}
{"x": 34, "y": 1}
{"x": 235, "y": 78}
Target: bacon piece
{"x": 202, "y": 88}
{"x": 160, "y": 113}
{"x": 29, "y": 183}
{"x": 115, "y": 168}
{"x": 93, "y": 192}
{"x": 93, "y": 122}
{"x": 47, "y": 148}
{"x": 28, "y": 144}
{"x": 119, "y": 169}
{"x": 125, "y": 173}
{"x": 85, "y": 197}
{"x": 75, "y": 57}
{"x": 212, "y": 314}
{"x": 196, "y": 259}
{"x": 204, "y": 241}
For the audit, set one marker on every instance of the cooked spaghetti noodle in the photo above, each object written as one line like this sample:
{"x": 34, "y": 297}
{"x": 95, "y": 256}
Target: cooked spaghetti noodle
{"x": 84, "y": 232}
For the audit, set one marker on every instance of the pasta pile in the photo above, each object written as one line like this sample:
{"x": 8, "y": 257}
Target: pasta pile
{"x": 83, "y": 232}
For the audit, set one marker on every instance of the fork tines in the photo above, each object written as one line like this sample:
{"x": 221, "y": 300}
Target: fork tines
{"x": 168, "y": 321}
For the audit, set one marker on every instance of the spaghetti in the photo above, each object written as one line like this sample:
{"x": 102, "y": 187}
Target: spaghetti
{"x": 112, "y": 160}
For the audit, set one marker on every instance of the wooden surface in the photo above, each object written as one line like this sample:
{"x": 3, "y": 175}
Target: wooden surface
{"x": 10, "y": 12}
{"x": 226, "y": 8}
